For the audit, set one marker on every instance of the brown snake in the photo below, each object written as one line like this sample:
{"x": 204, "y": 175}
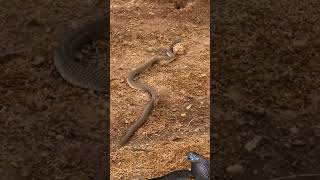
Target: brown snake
{"x": 169, "y": 57}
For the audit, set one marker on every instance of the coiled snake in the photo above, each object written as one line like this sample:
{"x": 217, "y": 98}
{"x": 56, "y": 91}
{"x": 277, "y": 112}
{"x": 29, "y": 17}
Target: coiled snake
{"x": 168, "y": 57}
{"x": 64, "y": 56}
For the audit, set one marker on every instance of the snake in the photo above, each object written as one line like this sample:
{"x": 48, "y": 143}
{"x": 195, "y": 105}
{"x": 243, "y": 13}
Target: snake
{"x": 65, "y": 51}
{"x": 168, "y": 57}
{"x": 73, "y": 72}
{"x": 200, "y": 168}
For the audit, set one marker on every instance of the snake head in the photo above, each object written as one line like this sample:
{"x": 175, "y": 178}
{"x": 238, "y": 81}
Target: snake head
{"x": 194, "y": 157}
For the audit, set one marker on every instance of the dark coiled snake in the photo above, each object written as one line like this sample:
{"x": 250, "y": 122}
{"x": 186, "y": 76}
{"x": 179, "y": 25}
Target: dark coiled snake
{"x": 64, "y": 56}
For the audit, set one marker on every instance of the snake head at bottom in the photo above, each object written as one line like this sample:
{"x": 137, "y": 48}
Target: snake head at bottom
{"x": 199, "y": 166}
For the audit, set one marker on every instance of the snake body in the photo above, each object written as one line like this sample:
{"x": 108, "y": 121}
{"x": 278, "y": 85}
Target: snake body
{"x": 64, "y": 56}
{"x": 176, "y": 175}
{"x": 170, "y": 56}
{"x": 199, "y": 169}
{"x": 199, "y": 166}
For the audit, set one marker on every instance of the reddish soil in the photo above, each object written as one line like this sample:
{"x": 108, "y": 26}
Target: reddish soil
{"x": 180, "y": 121}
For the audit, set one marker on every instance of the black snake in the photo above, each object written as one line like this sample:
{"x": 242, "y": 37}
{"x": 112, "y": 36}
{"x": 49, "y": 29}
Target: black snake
{"x": 200, "y": 168}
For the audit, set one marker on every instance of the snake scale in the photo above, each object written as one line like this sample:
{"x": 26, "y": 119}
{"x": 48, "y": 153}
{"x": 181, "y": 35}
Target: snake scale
{"x": 200, "y": 168}
{"x": 64, "y": 56}
{"x": 168, "y": 57}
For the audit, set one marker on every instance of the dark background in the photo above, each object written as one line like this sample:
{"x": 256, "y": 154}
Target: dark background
{"x": 265, "y": 88}
{"x": 49, "y": 129}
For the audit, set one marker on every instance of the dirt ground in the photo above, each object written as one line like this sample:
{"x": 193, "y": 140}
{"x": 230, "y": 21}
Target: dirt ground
{"x": 180, "y": 121}
{"x": 266, "y": 123}
{"x": 268, "y": 78}
{"x": 49, "y": 129}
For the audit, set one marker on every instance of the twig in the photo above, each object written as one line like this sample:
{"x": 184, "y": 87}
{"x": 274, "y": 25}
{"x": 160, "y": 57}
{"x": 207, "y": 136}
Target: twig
{"x": 296, "y": 176}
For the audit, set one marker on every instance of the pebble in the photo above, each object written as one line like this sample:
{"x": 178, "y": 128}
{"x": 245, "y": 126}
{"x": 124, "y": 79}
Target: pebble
{"x": 294, "y": 130}
{"x": 297, "y": 143}
{"x": 188, "y": 107}
{"x": 174, "y": 138}
{"x": 59, "y": 137}
{"x": 300, "y": 42}
{"x": 251, "y": 145}
{"x": 179, "y": 49}
{"x": 38, "y": 60}
{"x": 236, "y": 168}
{"x": 183, "y": 115}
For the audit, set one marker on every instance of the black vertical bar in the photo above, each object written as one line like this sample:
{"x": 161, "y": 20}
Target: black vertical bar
{"x": 106, "y": 164}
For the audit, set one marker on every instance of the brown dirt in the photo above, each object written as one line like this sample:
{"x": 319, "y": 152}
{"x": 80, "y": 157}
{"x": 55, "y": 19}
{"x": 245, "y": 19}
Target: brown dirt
{"x": 268, "y": 87}
{"x": 172, "y": 129}
{"x": 49, "y": 129}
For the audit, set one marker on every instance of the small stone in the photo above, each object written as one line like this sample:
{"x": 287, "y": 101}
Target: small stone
{"x": 240, "y": 121}
{"x": 297, "y": 143}
{"x": 251, "y": 145}
{"x": 174, "y": 138}
{"x": 38, "y": 60}
{"x": 183, "y": 115}
{"x": 59, "y": 137}
{"x": 179, "y": 49}
{"x": 287, "y": 145}
{"x": 300, "y": 43}
{"x": 44, "y": 154}
{"x": 188, "y": 107}
{"x": 236, "y": 168}
{"x": 294, "y": 130}
{"x": 14, "y": 164}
